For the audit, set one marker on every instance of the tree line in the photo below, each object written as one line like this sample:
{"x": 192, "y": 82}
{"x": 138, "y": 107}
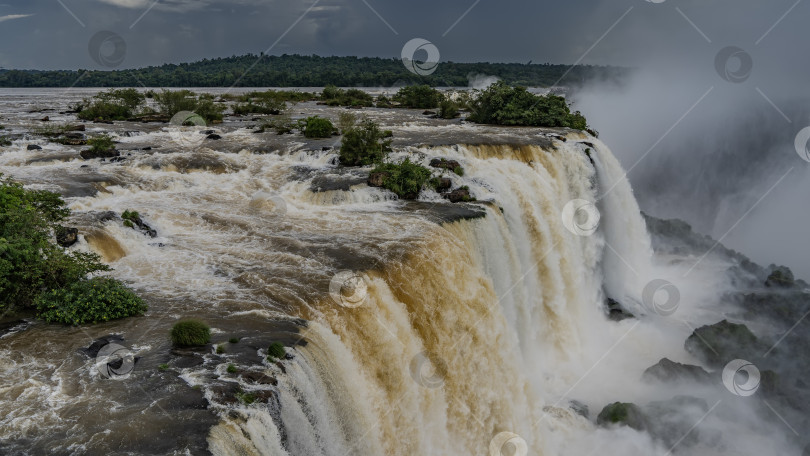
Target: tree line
{"x": 253, "y": 70}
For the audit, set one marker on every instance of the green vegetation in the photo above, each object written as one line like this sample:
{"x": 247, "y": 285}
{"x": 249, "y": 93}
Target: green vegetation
{"x": 418, "y": 97}
{"x": 365, "y": 144}
{"x": 346, "y": 120}
{"x": 307, "y": 71}
{"x": 625, "y": 413}
{"x": 458, "y": 170}
{"x": 448, "y": 109}
{"x": 4, "y": 142}
{"x": 163, "y": 366}
{"x": 275, "y": 351}
{"x": 171, "y": 102}
{"x": 190, "y": 333}
{"x": 101, "y": 143}
{"x": 114, "y": 104}
{"x": 130, "y": 218}
{"x": 384, "y": 102}
{"x": 406, "y": 179}
{"x": 282, "y": 124}
{"x": 40, "y": 276}
{"x": 220, "y": 349}
{"x": 231, "y": 369}
{"x": 502, "y": 104}
{"x": 271, "y": 102}
{"x": 245, "y": 398}
{"x": 234, "y": 340}
{"x": 88, "y": 301}
{"x": 316, "y": 127}
{"x": 334, "y": 96}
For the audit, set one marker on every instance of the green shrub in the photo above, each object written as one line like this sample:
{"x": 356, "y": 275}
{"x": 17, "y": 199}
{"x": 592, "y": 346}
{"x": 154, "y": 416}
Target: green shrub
{"x": 275, "y": 351}
{"x": 448, "y": 109}
{"x": 163, "y": 367}
{"x": 384, "y": 102}
{"x": 458, "y": 170}
{"x": 245, "y": 398}
{"x": 365, "y": 144}
{"x": 346, "y": 120}
{"x": 419, "y": 97}
{"x": 4, "y": 142}
{"x": 114, "y": 104}
{"x": 406, "y": 179}
{"x": 231, "y": 369}
{"x": 101, "y": 143}
{"x": 220, "y": 349}
{"x": 89, "y": 301}
{"x": 190, "y": 333}
{"x": 502, "y": 104}
{"x": 172, "y": 102}
{"x": 270, "y": 102}
{"x": 316, "y": 127}
{"x": 234, "y": 340}
{"x": 30, "y": 263}
{"x": 334, "y": 96}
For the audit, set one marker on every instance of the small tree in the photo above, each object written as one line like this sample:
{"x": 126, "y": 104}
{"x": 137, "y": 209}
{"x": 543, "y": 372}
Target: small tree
{"x": 406, "y": 179}
{"x": 419, "y": 97}
{"x": 365, "y": 144}
{"x": 317, "y": 127}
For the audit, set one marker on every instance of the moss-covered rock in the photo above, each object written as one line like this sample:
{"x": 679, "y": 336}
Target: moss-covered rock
{"x": 622, "y": 413}
{"x": 722, "y": 342}
{"x": 667, "y": 370}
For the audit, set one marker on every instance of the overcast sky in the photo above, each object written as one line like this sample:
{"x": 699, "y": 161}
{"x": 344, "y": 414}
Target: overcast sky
{"x": 54, "y": 34}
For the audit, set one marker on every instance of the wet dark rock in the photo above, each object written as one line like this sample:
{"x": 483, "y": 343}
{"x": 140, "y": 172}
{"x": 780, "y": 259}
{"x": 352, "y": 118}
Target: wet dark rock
{"x": 226, "y": 392}
{"x": 208, "y": 132}
{"x": 444, "y": 184}
{"x": 622, "y": 413}
{"x": 66, "y": 236}
{"x": 147, "y": 148}
{"x": 117, "y": 159}
{"x": 259, "y": 378}
{"x": 137, "y": 222}
{"x": 429, "y": 113}
{"x": 617, "y": 312}
{"x": 722, "y": 342}
{"x": 214, "y": 136}
{"x": 267, "y": 396}
{"x": 76, "y": 128}
{"x": 185, "y": 399}
{"x": 459, "y": 195}
{"x": 579, "y": 408}
{"x": 325, "y": 148}
{"x": 102, "y": 121}
{"x": 376, "y": 179}
{"x": 90, "y": 154}
{"x": 443, "y": 163}
{"x": 33, "y": 147}
{"x": 98, "y": 344}
{"x": 45, "y": 119}
{"x": 669, "y": 371}
{"x": 780, "y": 277}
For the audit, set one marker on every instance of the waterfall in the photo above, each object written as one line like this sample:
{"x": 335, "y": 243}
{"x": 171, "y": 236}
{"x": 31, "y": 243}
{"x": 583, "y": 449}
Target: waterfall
{"x": 483, "y": 325}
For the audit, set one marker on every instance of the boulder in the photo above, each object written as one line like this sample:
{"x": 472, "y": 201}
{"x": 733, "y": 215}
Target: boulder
{"x": 213, "y": 136}
{"x": 66, "y": 236}
{"x": 33, "y": 147}
{"x": 617, "y": 312}
{"x": 45, "y": 119}
{"x": 445, "y": 164}
{"x": 623, "y": 414}
{"x": 579, "y": 408}
{"x": 98, "y": 344}
{"x": 76, "y": 128}
{"x": 443, "y": 184}
{"x": 259, "y": 378}
{"x": 459, "y": 195}
{"x": 780, "y": 277}
{"x": 669, "y": 371}
{"x": 90, "y": 154}
{"x": 376, "y": 179}
{"x": 722, "y": 342}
